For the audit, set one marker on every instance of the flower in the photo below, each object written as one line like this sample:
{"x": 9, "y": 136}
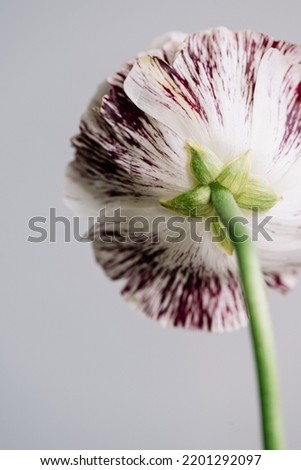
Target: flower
{"x": 218, "y": 95}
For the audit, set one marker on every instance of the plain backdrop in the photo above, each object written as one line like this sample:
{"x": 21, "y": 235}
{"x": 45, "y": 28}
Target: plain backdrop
{"x": 80, "y": 369}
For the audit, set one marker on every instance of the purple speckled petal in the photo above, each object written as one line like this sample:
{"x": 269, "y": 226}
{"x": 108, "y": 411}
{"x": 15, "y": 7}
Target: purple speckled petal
{"x": 179, "y": 284}
{"x": 207, "y": 93}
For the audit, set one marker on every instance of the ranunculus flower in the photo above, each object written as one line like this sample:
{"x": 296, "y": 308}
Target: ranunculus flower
{"x": 145, "y": 141}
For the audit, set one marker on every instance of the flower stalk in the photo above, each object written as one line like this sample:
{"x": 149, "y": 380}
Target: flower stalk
{"x": 257, "y": 306}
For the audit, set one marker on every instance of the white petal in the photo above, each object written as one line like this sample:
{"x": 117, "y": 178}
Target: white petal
{"x": 276, "y": 140}
{"x": 283, "y": 252}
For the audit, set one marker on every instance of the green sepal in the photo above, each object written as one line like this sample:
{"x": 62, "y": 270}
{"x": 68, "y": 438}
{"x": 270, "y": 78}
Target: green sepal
{"x": 257, "y": 193}
{"x": 204, "y": 164}
{"x": 236, "y": 174}
{"x": 194, "y": 203}
{"x": 219, "y": 231}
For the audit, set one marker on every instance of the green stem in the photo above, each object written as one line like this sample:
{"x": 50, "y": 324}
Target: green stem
{"x": 257, "y": 306}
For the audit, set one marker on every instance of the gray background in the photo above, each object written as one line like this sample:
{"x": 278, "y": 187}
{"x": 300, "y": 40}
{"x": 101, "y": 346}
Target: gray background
{"x": 79, "y": 369}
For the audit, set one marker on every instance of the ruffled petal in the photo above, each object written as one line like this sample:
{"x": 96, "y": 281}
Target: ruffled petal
{"x": 183, "y": 284}
{"x": 166, "y": 46}
{"x": 276, "y": 140}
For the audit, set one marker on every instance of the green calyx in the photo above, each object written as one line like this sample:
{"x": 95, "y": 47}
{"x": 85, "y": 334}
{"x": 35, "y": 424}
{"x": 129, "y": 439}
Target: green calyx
{"x": 249, "y": 192}
{"x": 194, "y": 203}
